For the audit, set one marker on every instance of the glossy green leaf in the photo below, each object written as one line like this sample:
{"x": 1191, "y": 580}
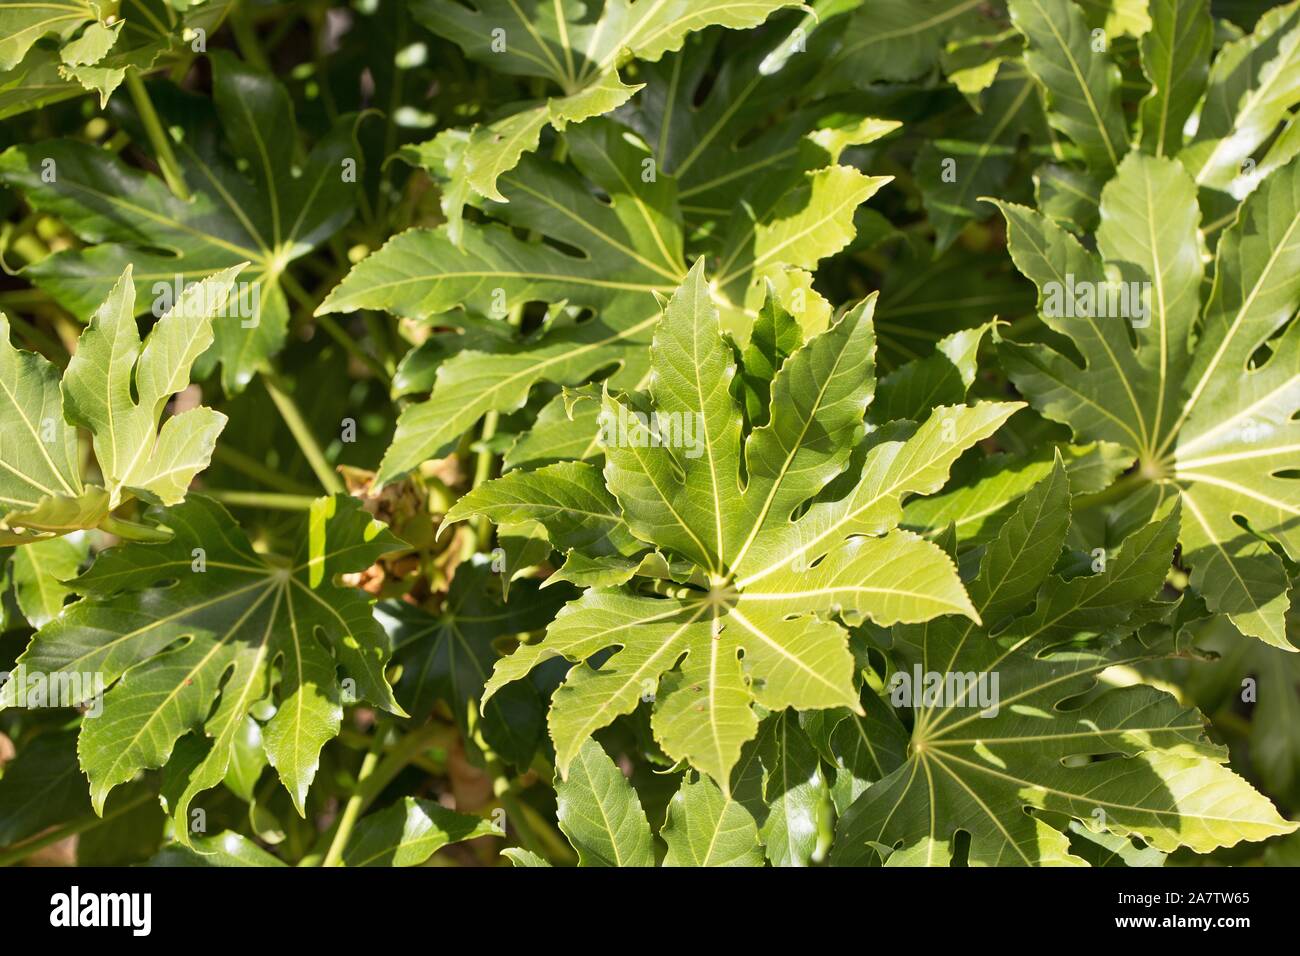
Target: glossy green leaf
{"x": 760, "y": 575}
{"x": 1182, "y": 388}
{"x": 1002, "y": 742}
{"x": 259, "y": 207}
{"x": 189, "y": 635}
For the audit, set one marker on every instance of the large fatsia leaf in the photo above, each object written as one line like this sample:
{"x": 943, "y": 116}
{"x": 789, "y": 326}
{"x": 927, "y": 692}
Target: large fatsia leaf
{"x": 189, "y": 635}
{"x": 1023, "y": 733}
{"x": 765, "y": 582}
{"x": 627, "y": 249}
{"x": 115, "y": 387}
{"x": 256, "y": 207}
{"x": 1082, "y": 85}
{"x": 1187, "y": 390}
{"x": 91, "y": 45}
{"x": 576, "y": 47}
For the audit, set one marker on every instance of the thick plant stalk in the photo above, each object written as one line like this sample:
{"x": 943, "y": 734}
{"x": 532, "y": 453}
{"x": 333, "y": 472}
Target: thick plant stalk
{"x": 158, "y": 138}
{"x": 311, "y": 449}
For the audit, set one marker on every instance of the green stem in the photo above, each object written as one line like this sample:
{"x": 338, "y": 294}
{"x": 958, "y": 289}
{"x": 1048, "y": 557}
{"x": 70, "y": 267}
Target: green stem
{"x": 158, "y": 138}
{"x": 262, "y": 499}
{"x": 394, "y": 760}
{"x": 334, "y": 856}
{"x": 133, "y": 531}
{"x": 311, "y": 450}
{"x": 486, "y": 460}
{"x": 1120, "y": 489}
{"x": 349, "y": 344}
{"x": 254, "y": 469}
{"x": 482, "y": 472}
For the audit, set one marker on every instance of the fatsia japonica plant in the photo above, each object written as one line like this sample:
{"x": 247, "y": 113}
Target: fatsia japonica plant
{"x": 649, "y": 433}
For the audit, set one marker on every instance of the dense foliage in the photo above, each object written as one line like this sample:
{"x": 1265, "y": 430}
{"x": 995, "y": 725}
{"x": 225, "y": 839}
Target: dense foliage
{"x": 650, "y": 432}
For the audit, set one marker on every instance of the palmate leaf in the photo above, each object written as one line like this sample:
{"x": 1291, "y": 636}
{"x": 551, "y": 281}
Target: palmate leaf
{"x": 628, "y": 249}
{"x": 761, "y": 579}
{"x": 115, "y": 387}
{"x": 449, "y": 656}
{"x": 578, "y": 49}
{"x": 1127, "y": 761}
{"x": 1208, "y": 416}
{"x": 268, "y": 216}
{"x": 189, "y": 635}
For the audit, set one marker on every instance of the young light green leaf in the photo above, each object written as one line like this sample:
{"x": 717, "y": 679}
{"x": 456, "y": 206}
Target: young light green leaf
{"x": 116, "y": 389}
{"x": 766, "y": 582}
{"x": 41, "y": 570}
